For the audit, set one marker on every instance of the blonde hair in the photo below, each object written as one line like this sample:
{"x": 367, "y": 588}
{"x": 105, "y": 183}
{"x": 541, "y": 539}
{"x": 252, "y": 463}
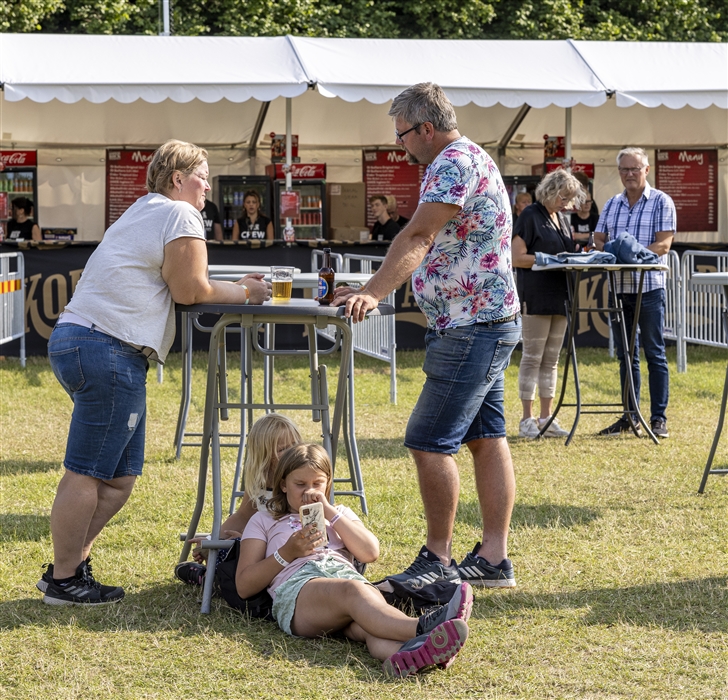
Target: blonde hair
{"x": 171, "y": 157}
{"x": 558, "y": 182}
{"x": 261, "y": 450}
{"x": 304, "y": 455}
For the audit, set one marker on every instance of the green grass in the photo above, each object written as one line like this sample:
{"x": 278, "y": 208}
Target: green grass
{"x": 621, "y": 566}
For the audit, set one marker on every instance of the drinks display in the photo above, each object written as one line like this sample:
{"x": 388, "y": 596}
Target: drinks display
{"x": 326, "y": 280}
{"x": 281, "y": 278}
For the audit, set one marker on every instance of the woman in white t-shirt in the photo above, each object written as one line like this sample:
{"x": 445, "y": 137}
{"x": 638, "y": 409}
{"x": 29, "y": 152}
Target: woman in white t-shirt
{"x": 121, "y": 315}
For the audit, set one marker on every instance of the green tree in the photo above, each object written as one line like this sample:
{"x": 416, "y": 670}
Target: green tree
{"x": 23, "y": 16}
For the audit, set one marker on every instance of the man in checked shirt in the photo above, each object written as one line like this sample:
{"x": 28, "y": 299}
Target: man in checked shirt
{"x": 649, "y": 215}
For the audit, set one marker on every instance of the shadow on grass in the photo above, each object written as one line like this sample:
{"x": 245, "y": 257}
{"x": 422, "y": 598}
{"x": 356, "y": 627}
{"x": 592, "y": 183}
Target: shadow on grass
{"x": 381, "y": 448}
{"x": 696, "y": 604}
{"x": 543, "y": 515}
{"x": 11, "y": 467}
{"x": 23, "y": 527}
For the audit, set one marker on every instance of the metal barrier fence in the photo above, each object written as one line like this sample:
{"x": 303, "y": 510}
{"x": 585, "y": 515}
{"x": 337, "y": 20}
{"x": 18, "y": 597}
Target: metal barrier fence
{"x": 375, "y": 337}
{"x": 12, "y": 300}
{"x": 674, "y": 323}
{"x": 701, "y": 307}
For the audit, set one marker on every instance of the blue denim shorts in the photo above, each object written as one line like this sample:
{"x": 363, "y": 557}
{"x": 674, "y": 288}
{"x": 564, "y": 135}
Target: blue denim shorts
{"x": 462, "y": 399}
{"x": 106, "y": 379}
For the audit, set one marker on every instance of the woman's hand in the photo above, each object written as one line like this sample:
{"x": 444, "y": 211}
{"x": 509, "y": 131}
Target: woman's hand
{"x": 301, "y": 543}
{"x": 259, "y": 289}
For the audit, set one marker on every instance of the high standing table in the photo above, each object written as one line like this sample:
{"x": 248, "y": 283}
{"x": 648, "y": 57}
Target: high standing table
{"x": 717, "y": 279}
{"x": 297, "y": 311}
{"x": 574, "y": 273}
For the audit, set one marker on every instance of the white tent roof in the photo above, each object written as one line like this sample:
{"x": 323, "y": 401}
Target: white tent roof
{"x": 72, "y": 67}
{"x": 486, "y": 73}
{"x": 652, "y": 74}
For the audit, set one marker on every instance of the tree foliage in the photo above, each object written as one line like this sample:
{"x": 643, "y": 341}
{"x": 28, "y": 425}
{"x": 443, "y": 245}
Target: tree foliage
{"x": 627, "y": 20}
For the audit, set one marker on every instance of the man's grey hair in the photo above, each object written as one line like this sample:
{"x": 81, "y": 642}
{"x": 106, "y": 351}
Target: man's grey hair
{"x": 425, "y": 102}
{"x": 635, "y": 152}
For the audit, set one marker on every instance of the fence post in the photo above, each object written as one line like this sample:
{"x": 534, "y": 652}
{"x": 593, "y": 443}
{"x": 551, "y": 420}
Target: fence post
{"x": 12, "y": 301}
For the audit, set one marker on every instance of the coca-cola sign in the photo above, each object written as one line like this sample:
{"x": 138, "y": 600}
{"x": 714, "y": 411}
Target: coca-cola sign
{"x": 18, "y": 159}
{"x": 299, "y": 171}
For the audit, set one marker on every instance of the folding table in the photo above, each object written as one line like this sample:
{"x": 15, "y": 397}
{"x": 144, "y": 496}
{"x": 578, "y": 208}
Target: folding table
{"x": 297, "y": 311}
{"x": 574, "y": 272}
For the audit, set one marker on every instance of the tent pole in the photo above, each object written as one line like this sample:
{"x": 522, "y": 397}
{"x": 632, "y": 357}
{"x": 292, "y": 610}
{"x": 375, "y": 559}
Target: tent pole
{"x": 289, "y": 145}
{"x": 508, "y": 135}
{"x": 567, "y": 140}
{"x": 253, "y": 144}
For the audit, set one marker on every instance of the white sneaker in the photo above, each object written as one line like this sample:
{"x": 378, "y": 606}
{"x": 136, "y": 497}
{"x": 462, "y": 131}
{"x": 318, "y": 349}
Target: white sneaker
{"x": 554, "y": 430}
{"x": 528, "y": 428}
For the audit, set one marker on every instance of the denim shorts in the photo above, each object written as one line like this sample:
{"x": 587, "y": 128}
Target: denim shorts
{"x": 106, "y": 379}
{"x": 462, "y": 399}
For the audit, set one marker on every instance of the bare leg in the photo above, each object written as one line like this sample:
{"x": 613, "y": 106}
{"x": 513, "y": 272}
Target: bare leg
{"x": 328, "y": 605}
{"x": 440, "y": 488}
{"x": 527, "y": 408}
{"x": 496, "y": 486}
{"x": 112, "y": 495}
{"x": 74, "y": 512}
{"x": 547, "y": 406}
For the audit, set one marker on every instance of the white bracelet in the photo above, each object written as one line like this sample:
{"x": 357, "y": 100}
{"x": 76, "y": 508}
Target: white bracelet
{"x": 280, "y": 559}
{"x": 247, "y": 294}
{"x": 334, "y": 519}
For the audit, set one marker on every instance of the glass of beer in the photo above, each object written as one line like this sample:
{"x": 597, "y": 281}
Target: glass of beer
{"x": 281, "y": 278}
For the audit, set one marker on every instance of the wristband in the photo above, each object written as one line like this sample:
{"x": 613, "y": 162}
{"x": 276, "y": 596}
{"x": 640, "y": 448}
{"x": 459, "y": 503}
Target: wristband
{"x": 247, "y": 294}
{"x": 334, "y": 519}
{"x": 280, "y": 559}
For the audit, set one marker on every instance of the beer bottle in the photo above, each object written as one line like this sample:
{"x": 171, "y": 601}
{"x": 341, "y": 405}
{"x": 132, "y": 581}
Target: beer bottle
{"x": 589, "y": 244}
{"x": 326, "y": 280}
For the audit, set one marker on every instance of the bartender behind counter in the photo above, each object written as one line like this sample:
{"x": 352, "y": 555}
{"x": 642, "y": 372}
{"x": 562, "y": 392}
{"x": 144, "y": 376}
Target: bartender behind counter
{"x": 211, "y": 220}
{"x": 21, "y": 227}
{"x": 253, "y": 224}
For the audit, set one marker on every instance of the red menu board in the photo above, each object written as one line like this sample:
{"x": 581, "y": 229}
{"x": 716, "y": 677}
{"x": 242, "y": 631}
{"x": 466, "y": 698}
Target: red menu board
{"x": 126, "y": 180}
{"x": 691, "y": 179}
{"x": 389, "y": 173}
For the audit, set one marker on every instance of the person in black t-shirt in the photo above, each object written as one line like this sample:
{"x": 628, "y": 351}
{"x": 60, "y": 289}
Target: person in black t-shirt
{"x": 394, "y": 212}
{"x": 584, "y": 221}
{"x": 211, "y": 219}
{"x": 385, "y": 228}
{"x": 542, "y": 227}
{"x": 253, "y": 224}
{"x": 21, "y": 227}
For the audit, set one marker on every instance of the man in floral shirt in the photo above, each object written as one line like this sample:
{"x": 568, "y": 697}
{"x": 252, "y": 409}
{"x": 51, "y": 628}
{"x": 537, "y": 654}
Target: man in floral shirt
{"x": 457, "y": 247}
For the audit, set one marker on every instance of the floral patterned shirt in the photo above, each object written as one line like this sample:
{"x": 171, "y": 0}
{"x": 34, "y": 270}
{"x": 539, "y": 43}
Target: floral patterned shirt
{"x": 466, "y": 276}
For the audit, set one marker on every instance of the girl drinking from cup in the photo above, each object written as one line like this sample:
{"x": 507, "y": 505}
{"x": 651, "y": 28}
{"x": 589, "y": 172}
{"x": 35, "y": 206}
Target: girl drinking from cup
{"x": 314, "y": 586}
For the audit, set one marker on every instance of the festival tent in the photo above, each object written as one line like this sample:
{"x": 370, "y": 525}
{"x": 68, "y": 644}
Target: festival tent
{"x": 71, "y": 96}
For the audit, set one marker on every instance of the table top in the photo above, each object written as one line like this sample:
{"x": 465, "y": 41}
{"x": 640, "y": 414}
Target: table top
{"x": 294, "y": 307}
{"x": 607, "y": 267}
{"x": 301, "y": 280}
{"x": 710, "y": 278}
{"x": 242, "y": 270}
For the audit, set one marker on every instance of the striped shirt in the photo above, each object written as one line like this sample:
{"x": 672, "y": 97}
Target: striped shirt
{"x": 653, "y": 212}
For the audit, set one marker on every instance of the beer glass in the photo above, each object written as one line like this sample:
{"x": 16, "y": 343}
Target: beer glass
{"x": 281, "y": 278}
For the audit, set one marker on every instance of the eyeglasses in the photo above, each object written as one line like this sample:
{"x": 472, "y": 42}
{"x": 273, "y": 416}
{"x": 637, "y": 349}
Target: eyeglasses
{"x": 628, "y": 171}
{"x": 401, "y": 136}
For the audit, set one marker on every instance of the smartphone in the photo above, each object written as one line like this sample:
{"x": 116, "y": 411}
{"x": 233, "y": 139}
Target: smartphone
{"x": 314, "y": 513}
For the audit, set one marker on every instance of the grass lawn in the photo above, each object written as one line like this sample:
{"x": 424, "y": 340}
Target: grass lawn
{"x": 621, "y": 566}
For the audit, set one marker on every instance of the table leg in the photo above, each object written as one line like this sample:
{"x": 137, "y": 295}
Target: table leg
{"x": 716, "y": 439}
{"x": 184, "y": 408}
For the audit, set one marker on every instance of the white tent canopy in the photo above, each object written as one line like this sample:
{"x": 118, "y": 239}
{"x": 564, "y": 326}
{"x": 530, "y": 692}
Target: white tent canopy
{"x": 71, "y": 96}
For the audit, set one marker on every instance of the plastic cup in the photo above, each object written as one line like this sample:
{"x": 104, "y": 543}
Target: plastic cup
{"x": 281, "y": 278}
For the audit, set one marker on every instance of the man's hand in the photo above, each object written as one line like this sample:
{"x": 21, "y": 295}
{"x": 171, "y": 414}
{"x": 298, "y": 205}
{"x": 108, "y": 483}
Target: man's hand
{"x": 358, "y": 302}
{"x": 259, "y": 289}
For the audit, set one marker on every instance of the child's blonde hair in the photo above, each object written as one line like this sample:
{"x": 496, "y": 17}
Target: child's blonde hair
{"x": 267, "y": 433}
{"x": 305, "y": 455}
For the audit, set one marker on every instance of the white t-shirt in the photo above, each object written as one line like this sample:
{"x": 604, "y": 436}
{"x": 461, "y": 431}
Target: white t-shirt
{"x": 121, "y": 290}
{"x": 263, "y": 526}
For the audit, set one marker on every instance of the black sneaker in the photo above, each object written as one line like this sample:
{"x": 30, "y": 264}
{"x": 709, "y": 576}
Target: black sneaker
{"x": 83, "y": 589}
{"x": 47, "y": 578}
{"x": 427, "y": 568}
{"x": 659, "y": 427}
{"x": 438, "y": 648}
{"x": 480, "y": 572}
{"x": 619, "y": 427}
{"x": 190, "y": 572}
{"x": 459, "y": 608}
